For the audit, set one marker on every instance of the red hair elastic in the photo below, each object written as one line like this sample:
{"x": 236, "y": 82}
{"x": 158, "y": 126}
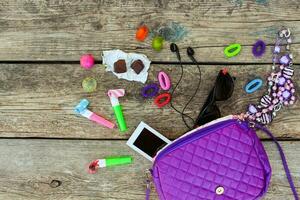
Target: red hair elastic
{"x": 162, "y": 99}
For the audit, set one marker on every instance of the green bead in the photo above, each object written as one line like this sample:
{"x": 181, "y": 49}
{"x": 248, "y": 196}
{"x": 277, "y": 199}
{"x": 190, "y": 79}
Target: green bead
{"x": 89, "y": 84}
{"x": 232, "y": 50}
{"x": 157, "y": 43}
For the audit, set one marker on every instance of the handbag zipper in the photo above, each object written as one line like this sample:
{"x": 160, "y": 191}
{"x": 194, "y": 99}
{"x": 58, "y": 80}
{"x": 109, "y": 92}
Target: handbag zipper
{"x": 177, "y": 143}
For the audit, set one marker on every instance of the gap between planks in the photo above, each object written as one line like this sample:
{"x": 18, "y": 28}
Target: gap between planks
{"x": 118, "y": 139}
{"x": 62, "y": 62}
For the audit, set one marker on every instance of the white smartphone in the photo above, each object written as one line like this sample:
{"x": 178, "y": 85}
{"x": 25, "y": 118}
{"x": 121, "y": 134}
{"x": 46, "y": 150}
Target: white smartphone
{"x": 147, "y": 141}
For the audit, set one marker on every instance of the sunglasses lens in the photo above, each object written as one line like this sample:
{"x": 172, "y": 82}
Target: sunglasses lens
{"x": 210, "y": 113}
{"x": 224, "y": 86}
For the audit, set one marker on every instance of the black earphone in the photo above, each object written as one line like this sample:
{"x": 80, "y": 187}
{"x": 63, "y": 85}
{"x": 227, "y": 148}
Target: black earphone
{"x": 174, "y": 48}
{"x": 190, "y": 52}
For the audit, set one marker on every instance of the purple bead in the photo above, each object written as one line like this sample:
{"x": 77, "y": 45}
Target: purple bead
{"x": 275, "y": 101}
{"x": 252, "y": 109}
{"x": 293, "y": 90}
{"x": 277, "y": 49}
{"x": 293, "y": 98}
{"x": 286, "y": 94}
{"x": 281, "y": 81}
{"x": 284, "y": 60}
{"x": 281, "y": 67}
{"x": 280, "y": 98}
{"x": 279, "y": 93}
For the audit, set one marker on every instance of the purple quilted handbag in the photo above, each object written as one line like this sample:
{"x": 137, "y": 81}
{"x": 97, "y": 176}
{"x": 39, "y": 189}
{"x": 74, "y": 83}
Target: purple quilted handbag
{"x": 224, "y": 160}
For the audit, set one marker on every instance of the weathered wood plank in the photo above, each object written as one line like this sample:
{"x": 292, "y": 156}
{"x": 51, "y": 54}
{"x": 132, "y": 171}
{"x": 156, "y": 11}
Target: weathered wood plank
{"x": 29, "y": 166}
{"x": 63, "y": 30}
{"x": 38, "y": 101}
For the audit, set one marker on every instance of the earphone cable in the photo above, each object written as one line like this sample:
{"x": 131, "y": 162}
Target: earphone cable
{"x": 172, "y": 94}
{"x": 183, "y": 115}
{"x": 195, "y": 93}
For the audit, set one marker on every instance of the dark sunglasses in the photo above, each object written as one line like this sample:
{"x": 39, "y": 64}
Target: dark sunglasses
{"x": 221, "y": 91}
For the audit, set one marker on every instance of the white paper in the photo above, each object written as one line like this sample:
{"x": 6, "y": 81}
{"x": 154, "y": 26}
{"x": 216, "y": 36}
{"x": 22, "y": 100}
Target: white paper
{"x": 110, "y": 57}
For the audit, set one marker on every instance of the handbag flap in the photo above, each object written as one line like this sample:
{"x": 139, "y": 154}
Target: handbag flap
{"x": 224, "y": 162}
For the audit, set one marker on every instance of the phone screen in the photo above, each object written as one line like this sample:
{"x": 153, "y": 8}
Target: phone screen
{"x": 149, "y": 142}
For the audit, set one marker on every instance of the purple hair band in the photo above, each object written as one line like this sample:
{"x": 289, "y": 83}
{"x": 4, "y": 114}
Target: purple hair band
{"x": 150, "y": 90}
{"x": 259, "y": 48}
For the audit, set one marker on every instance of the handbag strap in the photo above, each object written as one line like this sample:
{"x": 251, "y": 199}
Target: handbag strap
{"x": 284, "y": 162}
{"x": 148, "y": 190}
{"x": 147, "y": 194}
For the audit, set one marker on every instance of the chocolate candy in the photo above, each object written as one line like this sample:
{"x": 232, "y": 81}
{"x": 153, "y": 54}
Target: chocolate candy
{"x": 137, "y": 66}
{"x": 120, "y": 66}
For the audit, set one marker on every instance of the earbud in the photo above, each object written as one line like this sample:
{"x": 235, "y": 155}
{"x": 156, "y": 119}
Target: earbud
{"x": 190, "y": 52}
{"x": 174, "y": 49}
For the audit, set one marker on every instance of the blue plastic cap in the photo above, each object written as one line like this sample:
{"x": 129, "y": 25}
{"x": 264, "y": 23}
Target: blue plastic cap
{"x": 81, "y": 106}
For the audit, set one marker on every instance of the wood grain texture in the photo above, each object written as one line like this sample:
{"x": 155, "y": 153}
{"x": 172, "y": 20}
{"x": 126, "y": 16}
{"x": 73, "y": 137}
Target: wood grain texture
{"x": 64, "y": 30}
{"x": 56, "y": 170}
{"x": 38, "y": 100}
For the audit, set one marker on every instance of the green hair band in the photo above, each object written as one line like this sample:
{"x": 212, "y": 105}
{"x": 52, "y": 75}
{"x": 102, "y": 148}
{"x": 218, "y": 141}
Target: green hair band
{"x": 232, "y": 50}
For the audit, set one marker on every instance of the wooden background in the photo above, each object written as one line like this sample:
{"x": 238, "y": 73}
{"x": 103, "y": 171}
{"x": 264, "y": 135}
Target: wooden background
{"x": 45, "y": 148}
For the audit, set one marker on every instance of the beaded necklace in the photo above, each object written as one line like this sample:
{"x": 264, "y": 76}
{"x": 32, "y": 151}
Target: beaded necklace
{"x": 281, "y": 91}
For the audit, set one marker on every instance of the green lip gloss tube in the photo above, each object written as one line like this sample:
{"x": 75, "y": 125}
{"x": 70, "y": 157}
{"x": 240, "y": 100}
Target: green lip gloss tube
{"x": 113, "y": 96}
{"x": 113, "y": 161}
{"x": 108, "y": 162}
